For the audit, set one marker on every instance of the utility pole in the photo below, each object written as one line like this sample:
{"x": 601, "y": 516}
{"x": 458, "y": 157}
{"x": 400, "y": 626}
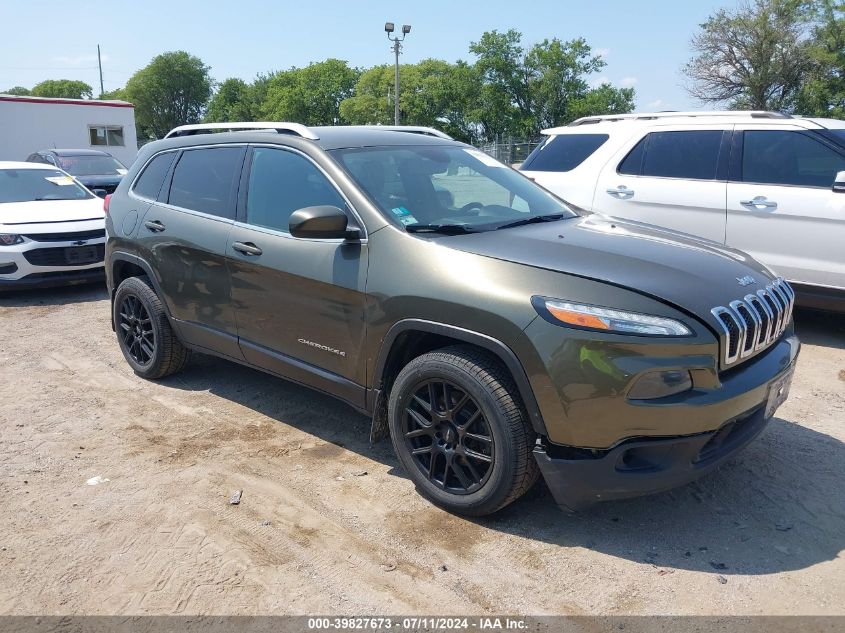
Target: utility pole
{"x": 100, "y": 64}
{"x": 397, "y": 47}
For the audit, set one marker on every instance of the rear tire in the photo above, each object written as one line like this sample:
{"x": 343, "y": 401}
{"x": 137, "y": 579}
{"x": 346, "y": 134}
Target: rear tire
{"x": 460, "y": 431}
{"x": 144, "y": 334}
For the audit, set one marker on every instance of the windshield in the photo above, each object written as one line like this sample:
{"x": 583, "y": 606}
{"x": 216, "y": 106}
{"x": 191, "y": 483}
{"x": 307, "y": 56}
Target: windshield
{"x": 92, "y": 165}
{"x": 28, "y": 185}
{"x": 447, "y": 186}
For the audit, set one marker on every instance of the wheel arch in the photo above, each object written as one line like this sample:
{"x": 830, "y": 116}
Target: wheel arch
{"x": 122, "y": 266}
{"x": 410, "y": 338}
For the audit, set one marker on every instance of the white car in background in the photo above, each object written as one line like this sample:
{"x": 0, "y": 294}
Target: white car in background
{"x": 766, "y": 183}
{"x": 52, "y": 229}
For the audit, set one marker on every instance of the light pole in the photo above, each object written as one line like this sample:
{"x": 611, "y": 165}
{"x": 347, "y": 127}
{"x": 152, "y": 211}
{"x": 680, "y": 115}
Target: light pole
{"x": 397, "y": 46}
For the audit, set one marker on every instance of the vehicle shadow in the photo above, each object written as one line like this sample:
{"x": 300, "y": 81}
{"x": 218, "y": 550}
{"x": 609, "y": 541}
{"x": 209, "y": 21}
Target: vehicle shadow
{"x": 62, "y": 295}
{"x": 815, "y": 327}
{"x": 777, "y": 506}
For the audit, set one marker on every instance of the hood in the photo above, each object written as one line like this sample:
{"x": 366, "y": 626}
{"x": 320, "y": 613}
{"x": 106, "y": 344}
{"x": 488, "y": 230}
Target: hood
{"x": 692, "y": 273}
{"x": 20, "y": 213}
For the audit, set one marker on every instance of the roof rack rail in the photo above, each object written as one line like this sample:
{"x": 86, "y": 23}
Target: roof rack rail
{"x": 646, "y": 116}
{"x": 412, "y": 129}
{"x": 243, "y": 126}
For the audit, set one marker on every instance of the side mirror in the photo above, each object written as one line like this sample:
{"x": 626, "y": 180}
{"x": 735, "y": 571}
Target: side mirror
{"x": 100, "y": 193}
{"x": 322, "y": 222}
{"x": 839, "y": 182}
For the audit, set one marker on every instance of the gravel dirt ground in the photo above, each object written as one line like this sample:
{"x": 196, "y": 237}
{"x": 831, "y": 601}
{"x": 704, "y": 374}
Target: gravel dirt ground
{"x": 114, "y": 499}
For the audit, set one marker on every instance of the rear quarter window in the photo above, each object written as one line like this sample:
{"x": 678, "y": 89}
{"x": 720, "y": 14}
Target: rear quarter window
{"x": 152, "y": 178}
{"x": 564, "y": 152}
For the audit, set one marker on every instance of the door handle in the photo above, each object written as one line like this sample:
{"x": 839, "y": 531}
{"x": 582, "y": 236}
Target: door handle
{"x": 621, "y": 192}
{"x": 154, "y": 225}
{"x": 247, "y": 248}
{"x": 760, "y": 203}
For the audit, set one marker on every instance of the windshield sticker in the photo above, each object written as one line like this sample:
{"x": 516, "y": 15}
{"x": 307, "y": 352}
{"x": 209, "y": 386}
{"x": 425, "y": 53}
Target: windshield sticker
{"x": 59, "y": 180}
{"x": 122, "y": 172}
{"x": 484, "y": 158}
{"x": 404, "y": 216}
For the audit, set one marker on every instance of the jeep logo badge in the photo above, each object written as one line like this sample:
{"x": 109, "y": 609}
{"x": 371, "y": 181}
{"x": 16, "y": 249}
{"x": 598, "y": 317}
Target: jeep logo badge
{"x": 746, "y": 281}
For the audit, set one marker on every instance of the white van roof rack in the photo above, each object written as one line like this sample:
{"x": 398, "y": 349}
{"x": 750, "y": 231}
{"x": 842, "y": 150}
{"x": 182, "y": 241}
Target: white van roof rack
{"x": 280, "y": 127}
{"x": 647, "y": 116}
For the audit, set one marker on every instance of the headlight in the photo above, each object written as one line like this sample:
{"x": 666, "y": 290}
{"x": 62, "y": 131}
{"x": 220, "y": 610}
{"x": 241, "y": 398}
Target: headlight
{"x": 607, "y": 319}
{"x": 10, "y": 239}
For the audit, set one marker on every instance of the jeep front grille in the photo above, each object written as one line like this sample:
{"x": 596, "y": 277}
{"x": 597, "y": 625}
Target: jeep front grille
{"x": 754, "y": 322}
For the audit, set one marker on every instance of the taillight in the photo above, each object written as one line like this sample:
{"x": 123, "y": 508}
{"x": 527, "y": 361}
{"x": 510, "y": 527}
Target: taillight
{"x": 106, "y": 201}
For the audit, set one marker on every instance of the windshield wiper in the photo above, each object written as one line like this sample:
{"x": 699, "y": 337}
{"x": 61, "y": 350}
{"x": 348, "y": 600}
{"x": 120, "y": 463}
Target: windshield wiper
{"x": 447, "y": 229}
{"x": 551, "y": 217}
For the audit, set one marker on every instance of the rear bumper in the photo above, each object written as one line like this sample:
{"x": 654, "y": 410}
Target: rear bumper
{"x": 55, "y": 278}
{"x": 637, "y": 468}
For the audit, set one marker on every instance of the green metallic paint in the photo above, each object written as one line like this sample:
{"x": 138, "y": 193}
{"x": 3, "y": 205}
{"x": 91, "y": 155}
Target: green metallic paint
{"x": 348, "y": 296}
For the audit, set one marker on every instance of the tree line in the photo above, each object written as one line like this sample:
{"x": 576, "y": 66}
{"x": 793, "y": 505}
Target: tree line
{"x": 784, "y": 55}
{"x": 509, "y": 89}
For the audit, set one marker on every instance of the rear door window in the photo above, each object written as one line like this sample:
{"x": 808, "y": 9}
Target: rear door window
{"x": 781, "y": 157}
{"x": 688, "y": 154}
{"x": 152, "y": 178}
{"x": 563, "y": 152}
{"x": 204, "y": 180}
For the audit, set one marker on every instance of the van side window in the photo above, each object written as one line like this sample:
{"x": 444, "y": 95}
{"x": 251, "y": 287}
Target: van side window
{"x": 281, "y": 182}
{"x": 563, "y": 152}
{"x": 780, "y": 157}
{"x": 204, "y": 180}
{"x": 152, "y": 178}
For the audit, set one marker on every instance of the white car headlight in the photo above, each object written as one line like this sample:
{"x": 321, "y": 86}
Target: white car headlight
{"x": 611, "y": 320}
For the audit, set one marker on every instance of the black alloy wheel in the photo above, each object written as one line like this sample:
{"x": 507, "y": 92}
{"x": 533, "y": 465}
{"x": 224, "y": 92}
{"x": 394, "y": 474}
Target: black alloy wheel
{"x": 448, "y": 436}
{"x": 137, "y": 331}
{"x": 144, "y": 334}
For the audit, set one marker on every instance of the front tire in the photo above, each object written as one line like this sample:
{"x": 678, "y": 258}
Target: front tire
{"x": 460, "y": 431}
{"x": 144, "y": 334}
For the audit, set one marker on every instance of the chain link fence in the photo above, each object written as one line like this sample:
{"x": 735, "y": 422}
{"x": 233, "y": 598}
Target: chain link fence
{"x": 510, "y": 151}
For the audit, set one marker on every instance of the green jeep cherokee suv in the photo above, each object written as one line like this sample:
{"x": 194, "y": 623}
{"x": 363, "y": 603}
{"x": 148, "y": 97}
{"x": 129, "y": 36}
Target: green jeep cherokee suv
{"x": 494, "y": 333}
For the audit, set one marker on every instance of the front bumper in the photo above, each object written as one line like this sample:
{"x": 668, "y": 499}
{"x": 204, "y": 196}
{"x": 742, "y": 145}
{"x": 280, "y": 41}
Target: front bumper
{"x": 55, "y": 278}
{"x": 72, "y": 252}
{"x": 579, "y": 478}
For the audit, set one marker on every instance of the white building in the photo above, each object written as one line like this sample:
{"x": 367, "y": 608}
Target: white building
{"x": 29, "y": 124}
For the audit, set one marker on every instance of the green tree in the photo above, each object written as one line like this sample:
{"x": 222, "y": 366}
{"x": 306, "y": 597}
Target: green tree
{"x": 310, "y": 95}
{"x": 118, "y": 94}
{"x": 18, "y": 90}
{"x": 433, "y": 93}
{"x": 823, "y": 93}
{"x": 62, "y": 89}
{"x": 231, "y": 102}
{"x": 756, "y": 56}
{"x": 173, "y": 89}
{"x": 524, "y": 91}
{"x": 605, "y": 99}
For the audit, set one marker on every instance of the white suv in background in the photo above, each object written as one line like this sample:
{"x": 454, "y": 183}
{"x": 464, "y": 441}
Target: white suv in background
{"x": 766, "y": 183}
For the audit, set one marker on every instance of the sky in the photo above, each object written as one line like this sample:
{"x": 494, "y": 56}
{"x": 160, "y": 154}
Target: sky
{"x": 645, "y": 43}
